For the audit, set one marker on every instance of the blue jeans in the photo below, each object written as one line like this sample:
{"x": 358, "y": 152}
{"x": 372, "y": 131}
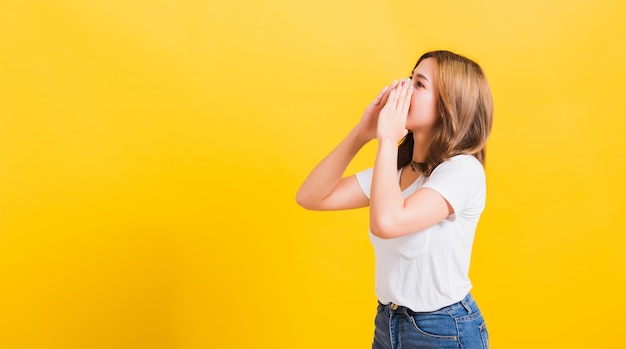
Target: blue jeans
{"x": 459, "y": 325}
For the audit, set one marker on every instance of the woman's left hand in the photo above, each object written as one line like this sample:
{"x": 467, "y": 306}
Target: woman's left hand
{"x": 392, "y": 118}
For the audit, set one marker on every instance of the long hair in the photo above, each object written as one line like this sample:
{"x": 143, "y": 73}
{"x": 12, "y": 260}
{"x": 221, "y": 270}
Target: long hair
{"x": 464, "y": 109}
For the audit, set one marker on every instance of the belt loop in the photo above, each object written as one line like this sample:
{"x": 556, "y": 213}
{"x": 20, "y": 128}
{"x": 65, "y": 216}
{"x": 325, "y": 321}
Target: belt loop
{"x": 466, "y": 306}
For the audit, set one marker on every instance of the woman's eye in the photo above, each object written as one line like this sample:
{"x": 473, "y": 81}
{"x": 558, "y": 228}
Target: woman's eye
{"x": 419, "y": 84}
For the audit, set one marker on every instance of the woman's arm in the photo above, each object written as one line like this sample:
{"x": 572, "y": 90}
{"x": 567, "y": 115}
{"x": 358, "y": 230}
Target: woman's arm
{"x": 324, "y": 188}
{"x": 390, "y": 214}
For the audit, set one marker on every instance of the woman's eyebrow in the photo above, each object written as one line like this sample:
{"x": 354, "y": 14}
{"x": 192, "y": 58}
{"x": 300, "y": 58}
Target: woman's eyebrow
{"x": 421, "y": 76}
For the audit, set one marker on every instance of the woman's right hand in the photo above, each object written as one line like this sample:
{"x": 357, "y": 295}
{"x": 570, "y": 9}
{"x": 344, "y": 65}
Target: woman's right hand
{"x": 368, "y": 124}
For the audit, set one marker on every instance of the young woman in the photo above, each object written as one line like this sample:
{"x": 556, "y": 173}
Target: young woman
{"x": 425, "y": 194}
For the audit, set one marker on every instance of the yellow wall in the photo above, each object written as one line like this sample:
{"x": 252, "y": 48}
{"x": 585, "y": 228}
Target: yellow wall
{"x": 150, "y": 152}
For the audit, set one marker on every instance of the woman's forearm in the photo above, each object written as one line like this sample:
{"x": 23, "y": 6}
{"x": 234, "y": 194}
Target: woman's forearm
{"x": 386, "y": 198}
{"x": 325, "y": 177}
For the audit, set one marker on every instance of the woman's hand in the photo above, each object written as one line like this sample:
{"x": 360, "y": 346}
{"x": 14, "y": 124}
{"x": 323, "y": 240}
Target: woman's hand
{"x": 392, "y": 117}
{"x": 369, "y": 121}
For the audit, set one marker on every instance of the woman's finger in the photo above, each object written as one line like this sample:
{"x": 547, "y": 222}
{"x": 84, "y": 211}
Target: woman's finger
{"x": 406, "y": 98}
{"x": 391, "y": 87}
{"x": 389, "y": 100}
{"x": 381, "y": 95}
{"x": 400, "y": 94}
{"x": 392, "y": 102}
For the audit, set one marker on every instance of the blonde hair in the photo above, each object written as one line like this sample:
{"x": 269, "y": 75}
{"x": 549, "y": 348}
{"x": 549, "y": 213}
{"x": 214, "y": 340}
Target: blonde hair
{"x": 464, "y": 109}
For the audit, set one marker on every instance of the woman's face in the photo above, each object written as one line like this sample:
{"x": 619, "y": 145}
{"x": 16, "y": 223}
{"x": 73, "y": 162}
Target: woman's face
{"x": 423, "y": 110}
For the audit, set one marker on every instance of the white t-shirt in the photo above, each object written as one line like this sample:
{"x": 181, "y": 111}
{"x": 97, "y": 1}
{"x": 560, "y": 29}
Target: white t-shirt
{"x": 428, "y": 270}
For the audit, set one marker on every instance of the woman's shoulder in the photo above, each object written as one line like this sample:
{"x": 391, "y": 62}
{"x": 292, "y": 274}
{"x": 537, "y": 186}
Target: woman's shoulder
{"x": 466, "y": 161}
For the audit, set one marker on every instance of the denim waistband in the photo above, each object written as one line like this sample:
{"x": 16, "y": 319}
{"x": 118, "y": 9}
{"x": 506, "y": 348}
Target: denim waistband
{"x": 467, "y": 303}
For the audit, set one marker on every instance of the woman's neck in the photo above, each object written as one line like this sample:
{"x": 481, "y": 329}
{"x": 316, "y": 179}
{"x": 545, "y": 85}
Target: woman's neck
{"x": 421, "y": 143}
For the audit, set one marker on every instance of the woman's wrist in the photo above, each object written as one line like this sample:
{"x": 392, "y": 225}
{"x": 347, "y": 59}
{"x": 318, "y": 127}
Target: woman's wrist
{"x": 386, "y": 141}
{"x": 360, "y": 137}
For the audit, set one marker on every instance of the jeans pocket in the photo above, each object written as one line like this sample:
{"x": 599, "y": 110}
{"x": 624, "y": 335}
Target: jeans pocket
{"x": 435, "y": 326}
{"x": 473, "y": 331}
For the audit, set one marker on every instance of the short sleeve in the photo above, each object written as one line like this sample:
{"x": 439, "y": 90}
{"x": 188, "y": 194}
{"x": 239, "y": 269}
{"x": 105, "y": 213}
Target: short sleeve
{"x": 461, "y": 181}
{"x": 365, "y": 180}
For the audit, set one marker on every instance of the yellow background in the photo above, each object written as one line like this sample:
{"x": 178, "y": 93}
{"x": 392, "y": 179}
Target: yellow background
{"x": 150, "y": 152}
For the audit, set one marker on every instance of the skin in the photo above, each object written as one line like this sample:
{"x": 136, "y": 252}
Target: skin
{"x": 405, "y": 105}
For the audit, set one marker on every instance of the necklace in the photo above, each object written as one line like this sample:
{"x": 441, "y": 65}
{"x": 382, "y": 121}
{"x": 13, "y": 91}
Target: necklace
{"x": 415, "y": 166}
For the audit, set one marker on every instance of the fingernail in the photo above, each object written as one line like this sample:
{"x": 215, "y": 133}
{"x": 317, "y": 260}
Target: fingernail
{"x": 402, "y": 84}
